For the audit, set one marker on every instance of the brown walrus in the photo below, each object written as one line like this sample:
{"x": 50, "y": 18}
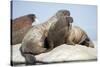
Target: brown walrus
{"x": 33, "y": 42}
{"x": 78, "y": 36}
{"x": 20, "y": 26}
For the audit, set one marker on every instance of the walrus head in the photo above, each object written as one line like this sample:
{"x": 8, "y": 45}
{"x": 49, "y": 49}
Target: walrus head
{"x": 32, "y": 16}
{"x": 64, "y": 14}
{"x": 64, "y": 18}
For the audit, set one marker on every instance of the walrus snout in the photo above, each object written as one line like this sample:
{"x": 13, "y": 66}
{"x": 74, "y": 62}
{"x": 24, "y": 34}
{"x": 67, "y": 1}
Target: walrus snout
{"x": 69, "y": 19}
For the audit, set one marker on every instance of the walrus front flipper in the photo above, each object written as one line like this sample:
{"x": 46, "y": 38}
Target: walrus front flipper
{"x": 29, "y": 50}
{"x": 30, "y": 59}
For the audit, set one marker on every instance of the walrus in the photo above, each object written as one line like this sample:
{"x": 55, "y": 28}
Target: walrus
{"x": 78, "y": 36}
{"x": 59, "y": 31}
{"x": 33, "y": 42}
{"x": 20, "y": 27}
{"x": 21, "y": 22}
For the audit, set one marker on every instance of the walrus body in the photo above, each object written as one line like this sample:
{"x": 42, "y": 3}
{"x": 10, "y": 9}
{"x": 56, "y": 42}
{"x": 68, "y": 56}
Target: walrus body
{"x": 59, "y": 31}
{"x": 78, "y": 36}
{"x": 33, "y": 42}
{"x": 20, "y": 27}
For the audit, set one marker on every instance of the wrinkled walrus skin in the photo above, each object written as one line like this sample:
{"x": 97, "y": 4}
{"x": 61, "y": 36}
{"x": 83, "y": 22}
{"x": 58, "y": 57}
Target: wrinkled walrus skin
{"x": 78, "y": 36}
{"x": 20, "y": 27}
{"x": 33, "y": 42}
